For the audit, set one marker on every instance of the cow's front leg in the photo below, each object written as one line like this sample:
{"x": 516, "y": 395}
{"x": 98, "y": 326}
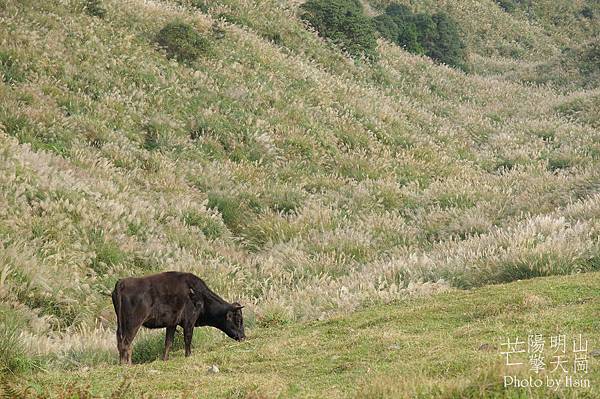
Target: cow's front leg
{"x": 169, "y": 335}
{"x": 188, "y": 332}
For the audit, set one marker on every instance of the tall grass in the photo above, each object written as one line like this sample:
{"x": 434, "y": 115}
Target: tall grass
{"x": 14, "y": 358}
{"x": 288, "y": 176}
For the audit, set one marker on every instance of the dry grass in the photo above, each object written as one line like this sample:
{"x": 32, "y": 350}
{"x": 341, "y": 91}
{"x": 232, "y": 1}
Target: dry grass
{"x": 288, "y": 177}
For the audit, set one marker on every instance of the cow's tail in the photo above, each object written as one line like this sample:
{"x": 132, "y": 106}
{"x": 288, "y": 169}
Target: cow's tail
{"x": 116, "y": 296}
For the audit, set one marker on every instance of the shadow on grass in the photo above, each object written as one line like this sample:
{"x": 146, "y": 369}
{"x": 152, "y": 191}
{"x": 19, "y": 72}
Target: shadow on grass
{"x": 149, "y": 346}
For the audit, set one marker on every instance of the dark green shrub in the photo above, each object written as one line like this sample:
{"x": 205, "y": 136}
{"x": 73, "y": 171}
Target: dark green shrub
{"x": 94, "y": 8}
{"x": 387, "y": 27}
{"x": 344, "y": 23}
{"x": 426, "y": 30}
{"x": 182, "y": 42}
{"x": 447, "y": 46}
{"x": 434, "y": 35}
{"x": 397, "y": 24}
{"x": 399, "y": 11}
{"x": 411, "y": 38}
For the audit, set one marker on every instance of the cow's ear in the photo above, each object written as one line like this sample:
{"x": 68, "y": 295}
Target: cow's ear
{"x": 237, "y": 306}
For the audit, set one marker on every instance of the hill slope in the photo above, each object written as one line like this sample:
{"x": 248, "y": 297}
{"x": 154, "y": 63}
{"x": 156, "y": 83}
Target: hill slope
{"x": 289, "y": 177}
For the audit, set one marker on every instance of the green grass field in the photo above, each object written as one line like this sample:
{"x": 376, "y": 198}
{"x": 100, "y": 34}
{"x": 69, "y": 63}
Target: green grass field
{"x": 320, "y": 191}
{"x": 448, "y": 346}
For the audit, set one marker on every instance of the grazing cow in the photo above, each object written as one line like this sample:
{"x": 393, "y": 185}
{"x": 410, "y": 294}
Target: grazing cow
{"x": 167, "y": 300}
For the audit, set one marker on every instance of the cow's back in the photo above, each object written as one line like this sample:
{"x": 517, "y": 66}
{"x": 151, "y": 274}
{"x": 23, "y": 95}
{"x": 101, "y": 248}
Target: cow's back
{"x": 161, "y": 284}
{"x": 155, "y": 301}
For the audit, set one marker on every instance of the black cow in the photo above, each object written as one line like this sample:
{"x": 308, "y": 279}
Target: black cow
{"x": 167, "y": 300}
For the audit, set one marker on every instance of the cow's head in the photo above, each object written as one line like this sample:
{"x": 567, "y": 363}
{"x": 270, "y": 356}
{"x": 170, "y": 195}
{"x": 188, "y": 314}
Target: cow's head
{"x": 233, "y": 323}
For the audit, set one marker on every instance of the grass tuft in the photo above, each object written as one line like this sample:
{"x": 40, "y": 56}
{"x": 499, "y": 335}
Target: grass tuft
{"x": 182, "y": 42}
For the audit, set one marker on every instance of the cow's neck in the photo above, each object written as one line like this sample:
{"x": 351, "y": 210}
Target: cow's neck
{"x": 214, "y": 309}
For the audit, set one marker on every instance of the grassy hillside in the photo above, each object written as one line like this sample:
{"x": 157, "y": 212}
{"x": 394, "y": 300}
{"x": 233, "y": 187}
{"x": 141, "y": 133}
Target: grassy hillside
{"x": 446, "y": 346}
{"x": 541, "y": 42}
{"x": 291, "y": 178}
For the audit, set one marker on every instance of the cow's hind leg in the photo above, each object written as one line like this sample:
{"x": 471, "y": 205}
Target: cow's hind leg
{"x": 117, "y": 303}
{"x": 121, "y": 347}
{"x": 124, "y": 345}
{"x": 129, "y": 340}
{"x": 132, "y": 326}
{"x": 188, "y": 332}
{"x": 169, "y": 335}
